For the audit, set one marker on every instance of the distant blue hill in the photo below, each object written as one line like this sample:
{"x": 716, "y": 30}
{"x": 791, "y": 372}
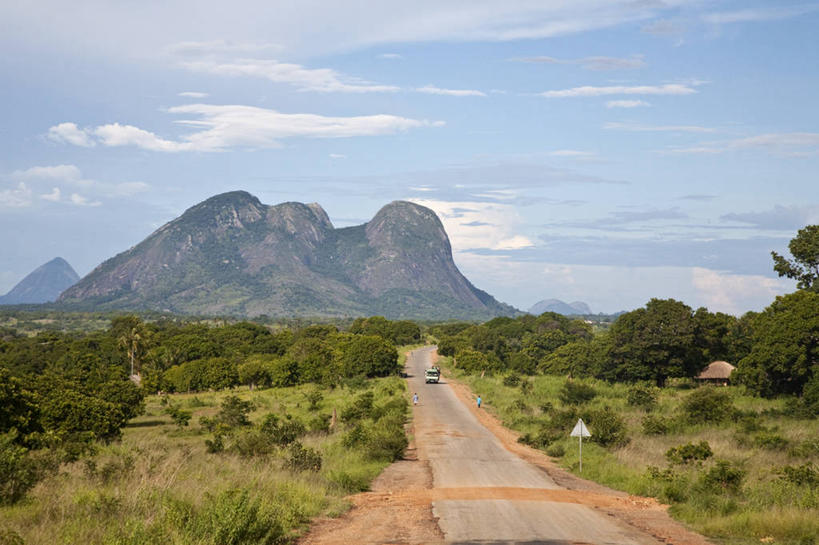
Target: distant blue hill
{"x": 558, "y": 306}
{"x": 43, "y": 285}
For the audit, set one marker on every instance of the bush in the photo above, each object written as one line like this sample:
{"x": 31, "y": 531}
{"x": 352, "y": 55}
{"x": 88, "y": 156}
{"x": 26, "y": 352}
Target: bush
{"x": 236, "y": 518}
{"x": 360, "y": 408}
{"x": 642, "y": 396}
{"x": 511, "y": 380}
{"x": 690, "y": 452}
{"x": 234, "y": 412}
{"x": 556, "y": 451}
{"x": 708, "y": 405}
{"x": 723, "y": 477}
{"x": 179, "y": 416}
{"x": 607, "y": 428}
{"x": 806, "y": 474}
{"x": 386, "y": 440}
{"x": 805, "y": 449}
{"x": 282, "y": 432}
{"x": 252, "y": 443}
{"x": 656, "y": 425}
{"x": 18, "y": 471}
{"x": 770, "y": 441}
{"x": 301, "y": 458}
{"x": 576, "y": 393}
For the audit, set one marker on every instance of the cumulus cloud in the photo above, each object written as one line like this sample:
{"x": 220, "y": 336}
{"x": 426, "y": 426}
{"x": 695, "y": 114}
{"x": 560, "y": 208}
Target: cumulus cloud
{"x": 234, "y": 126}
{"x": 69, "y": 133}
{"x": 592, "y": 91}
{"x": 72, "y": 176}
{"x": 598, "y": 63}
{"x": 324, "y": 80}
{"x": 432, "y": 90}
{"x": 16, "y": 197}
{"x": 80, "y": 200}
{"x": 626, "y": 103}
{"x": 733, "y": 293}
{"x": 54, "y": 196}
{"x": 479, "y": 225}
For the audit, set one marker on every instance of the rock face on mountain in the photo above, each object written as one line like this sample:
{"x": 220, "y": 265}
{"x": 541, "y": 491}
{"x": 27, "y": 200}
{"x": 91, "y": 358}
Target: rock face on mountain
{"x": 558, "y": 306}
{"x": 43, "y": 285}
{"x": 231, "y": 254}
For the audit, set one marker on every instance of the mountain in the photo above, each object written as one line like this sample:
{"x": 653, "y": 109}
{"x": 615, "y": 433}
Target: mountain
{"x": 233, "y": 255}
{"x": 43, "y": 285}
{"x": 558, "y": 306}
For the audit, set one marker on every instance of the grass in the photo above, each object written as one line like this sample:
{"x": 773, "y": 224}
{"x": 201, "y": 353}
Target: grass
{"x": 160, "y": 485}
{"x": 765, "y": 507}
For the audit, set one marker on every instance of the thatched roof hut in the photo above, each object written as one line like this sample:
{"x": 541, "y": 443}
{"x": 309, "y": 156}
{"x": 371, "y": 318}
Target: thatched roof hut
{"x": 717, "y": 372}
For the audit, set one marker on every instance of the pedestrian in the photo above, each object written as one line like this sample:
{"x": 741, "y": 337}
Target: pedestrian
{"x": 415, "y": 398}
{"x": 479, "y": 402}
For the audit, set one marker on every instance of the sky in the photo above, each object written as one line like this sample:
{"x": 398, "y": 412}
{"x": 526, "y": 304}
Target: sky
{"x": 607, "y": 151}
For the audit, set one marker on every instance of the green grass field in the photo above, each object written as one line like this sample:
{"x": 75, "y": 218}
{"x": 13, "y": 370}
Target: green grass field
{"x": 760, "y": 441}
{"x": 160, "y": 485}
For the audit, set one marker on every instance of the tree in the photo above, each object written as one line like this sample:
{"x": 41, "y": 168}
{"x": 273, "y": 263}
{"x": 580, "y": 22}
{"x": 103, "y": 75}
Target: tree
{"x": 785, "y": 350}
{"x": 653, "y": 343}
{"x": 132, "y": 335}
{"x": 804, "y": 267}
{"x": 370, "y": 355}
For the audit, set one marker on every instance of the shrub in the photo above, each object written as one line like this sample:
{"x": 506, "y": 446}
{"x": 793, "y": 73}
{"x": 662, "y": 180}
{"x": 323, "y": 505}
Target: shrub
{"x": 235, "y": 518}
{"x": 805, "y": 449}
{"x": 806, "y": 474}
{"x": 319, "y": 423}
{"x": 607, "y": 428}
{"x": 179, "y": 416}
{"x": 723, "y": 477}
{"x": 690, "y": 452}
{"x": 656, "y": 425}
{"x": 708, "y": 405}
{"x": 576, "y": 393}
{"x": 282, "y": 432}
{"x": 18, "y": 472}
{"x": 642, "y": 396}
{"x": 511, "y": 380}
{"x": 301, "y": 458}
{"x": 252, "y": 443}
{"x": 234, "y": 412}
{"x": 350, "y": 483}
{"x": 770, "y": 441}
{"x": 556, "y": 450}
{"x": 360, "y": 408}
{"x": 526, "y": 387}
{"x": 386, "y": 440}
{"x": 216, "y": 445}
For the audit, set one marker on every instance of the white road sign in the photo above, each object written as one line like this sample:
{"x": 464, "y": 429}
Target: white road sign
{"x": 580, "y": 429}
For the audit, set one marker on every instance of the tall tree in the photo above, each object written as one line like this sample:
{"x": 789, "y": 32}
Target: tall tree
{"x": 804, "y": 267}
{"x": 132, "y": 335}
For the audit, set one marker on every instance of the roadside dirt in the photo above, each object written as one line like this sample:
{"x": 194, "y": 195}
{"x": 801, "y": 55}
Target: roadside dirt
{"x": 398, "y": 510}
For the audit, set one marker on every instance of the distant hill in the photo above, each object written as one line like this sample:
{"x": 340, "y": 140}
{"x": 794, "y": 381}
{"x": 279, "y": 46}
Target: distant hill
{"x": 233, "y": 255}
{"x": 558, "y": 306}
{"x": 43, "y": 285}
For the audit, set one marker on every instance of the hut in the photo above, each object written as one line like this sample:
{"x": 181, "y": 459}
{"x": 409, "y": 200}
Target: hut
{"x": 717, "y": 372}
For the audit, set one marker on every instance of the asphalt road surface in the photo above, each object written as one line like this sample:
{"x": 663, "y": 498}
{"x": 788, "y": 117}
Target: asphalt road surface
{"x": 465, "y": 458}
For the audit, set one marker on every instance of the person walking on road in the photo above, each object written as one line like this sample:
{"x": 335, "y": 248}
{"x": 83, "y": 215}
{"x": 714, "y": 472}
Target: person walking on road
{"x": 479, "y": 402}
{"x": 415, "y": 398}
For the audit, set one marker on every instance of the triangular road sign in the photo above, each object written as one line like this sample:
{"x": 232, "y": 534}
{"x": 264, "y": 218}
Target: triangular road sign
{"x": 580, "y": 429}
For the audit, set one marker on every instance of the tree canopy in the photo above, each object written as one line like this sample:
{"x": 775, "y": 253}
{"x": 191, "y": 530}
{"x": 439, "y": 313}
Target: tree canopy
{"x": 804, "y": 267}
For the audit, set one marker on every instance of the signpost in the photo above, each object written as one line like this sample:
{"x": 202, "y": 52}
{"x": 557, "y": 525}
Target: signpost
{"x": 580, "y": 431}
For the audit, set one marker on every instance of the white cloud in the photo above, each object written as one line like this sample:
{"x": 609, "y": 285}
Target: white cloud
{"x": 598, "y": 63}
{"x": 758, "y": 14}
{"x": 231, "y": 126}
{"x": 54, "y": 196}
{"x": 733, "y": 293}
{"x": 634, "y": 127}
{"x": 592, "y": 91}
{"x": 17, "y": 197}
{"x": 192, "y": 94}
{"x": 432, "y": 90}
{"x": 626, "y": 103}
{"x": 324, "y": 80}
{"x": 337, "y": 156}
{"x": 793, "y": 144}
{"x": 68, "y": 133}
{"x": 391, "y": 56}
{"x": 67, "y": 173}
{"x": 479, "y": 225}
{"x": 79, "y": 200}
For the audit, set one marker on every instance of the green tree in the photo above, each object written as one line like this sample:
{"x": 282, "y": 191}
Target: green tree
{"x": 370, "y": 355}
{"x": 18, "y": 407}
{"x": 132, "y": 335}
{"x": 785, "y": 349}
{"x": 804, "y": 267}
{"x": 653, "y": 343}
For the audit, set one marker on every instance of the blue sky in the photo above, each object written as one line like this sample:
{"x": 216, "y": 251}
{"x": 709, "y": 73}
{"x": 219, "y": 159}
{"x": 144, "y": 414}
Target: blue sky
{"x": 606, "y": 151}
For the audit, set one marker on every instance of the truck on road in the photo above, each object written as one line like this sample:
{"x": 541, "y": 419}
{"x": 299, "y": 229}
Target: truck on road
{"x": 433, "y": 374}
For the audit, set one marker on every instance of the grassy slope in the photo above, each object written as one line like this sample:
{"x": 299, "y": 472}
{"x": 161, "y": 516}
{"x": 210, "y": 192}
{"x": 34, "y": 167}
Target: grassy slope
{"x": 766, "y": 508}
{"x": 159, "y": 485}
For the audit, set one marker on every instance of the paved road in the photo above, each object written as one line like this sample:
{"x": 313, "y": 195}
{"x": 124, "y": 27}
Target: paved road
{"x": 464, "y": 455}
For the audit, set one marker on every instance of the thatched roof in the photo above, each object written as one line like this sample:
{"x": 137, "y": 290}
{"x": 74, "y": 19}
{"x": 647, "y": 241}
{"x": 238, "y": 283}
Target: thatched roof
{"x": 717, "y": 370}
